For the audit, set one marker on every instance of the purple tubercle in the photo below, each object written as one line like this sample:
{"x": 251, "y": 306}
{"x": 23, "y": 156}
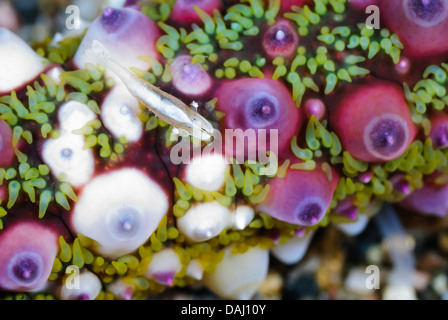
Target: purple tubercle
{"x": 373, "y": 122}
{"x": 439, "y": 130}
{"x": 166, "y": 278}
{"x": 315, "y": 107}
{"x": 280, "y": 39}
{"x": 431, "y": 199}
{"x": 189, "y": 78}
{"x": 347, "y": 209}
{"x": 365, "y": 177}
{"x": 401, "y": 184}
{"x": 258, "y": 104}
{"x": 28, "y": 252}
{"x": 302, "y": 197}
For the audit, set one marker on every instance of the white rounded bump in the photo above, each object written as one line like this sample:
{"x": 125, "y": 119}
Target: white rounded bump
{"x": 74, "y": 115}
{"x": 89, "y": 288}
{"x": 67, "y": 159}
{"x": 119, "y": 112}
{"x": 54, "y": 73}
{"x": 294, "y": 250}
{"x": 239, "y": 275}
{"x": 243, "y": 215}
{"x": 18, "y": 61}
{"x": 207, "y": 172}
{"x": 121, "y": 289}
{"x": 204, "y": 221}
{"x": 195, "y": 269}
{"x": 356, "y": 227}
{"x": 119, "y": 210}
{"x": 164, "y": 266}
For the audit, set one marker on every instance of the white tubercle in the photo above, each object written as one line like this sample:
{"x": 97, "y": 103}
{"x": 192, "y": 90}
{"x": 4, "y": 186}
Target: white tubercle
{"x": 207, "y": 171}
{"x": 121, "y": 289}
{"x": 239, "y": 275}
{"x": 242, "y": 216}
{"x": 356, "y": 227}
{"x": 74, "y": 115}
{"x": 67, "y": 159}
{"x": 119, "y": 112}
{"x": 293, "y": 251}
{"x": 54, "y": 73}
{"x": 119, "y": 210}
{"x": 19, "y": 63}
{"x": 86, "y": 286}
{"x": 164, "y": 266}
{"x": 204, "y": 221}
{"x": 195, "y": 269}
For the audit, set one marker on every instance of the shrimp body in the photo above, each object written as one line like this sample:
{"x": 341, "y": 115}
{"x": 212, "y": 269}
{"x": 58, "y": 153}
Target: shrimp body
{"x": 165, "y": 106}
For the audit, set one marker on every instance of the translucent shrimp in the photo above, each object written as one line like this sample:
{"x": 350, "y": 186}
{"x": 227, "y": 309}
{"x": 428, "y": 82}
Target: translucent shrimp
{"x": 165, "y": 106}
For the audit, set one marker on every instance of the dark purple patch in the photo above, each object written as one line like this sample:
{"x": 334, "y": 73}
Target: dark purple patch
{"x": 112, "y": 19}
{"x": 281, "y": 36}
{"x": 83, "y": 296}
{"x": 26, "y": 270}
{"x": 261, "y": 111}
{"x": 426, "y": 10}
{"x": 440, "y": 139}
{"x": 310, "y": 214}
{"x": 387, "y": 137}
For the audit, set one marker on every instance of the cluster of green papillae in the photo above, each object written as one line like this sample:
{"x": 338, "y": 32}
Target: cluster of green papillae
{"x": 33, "y": 116}
{"x": 221, "y": 45}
